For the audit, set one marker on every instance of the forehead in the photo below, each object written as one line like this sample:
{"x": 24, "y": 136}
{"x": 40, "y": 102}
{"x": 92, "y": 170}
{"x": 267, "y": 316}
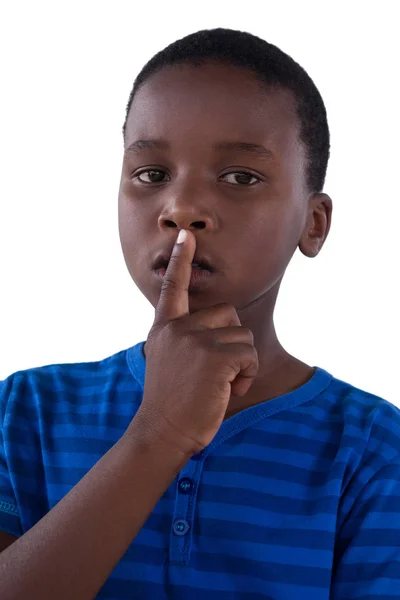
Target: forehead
{"x": 211, "y": 102}
{"x": 196, "y": 108}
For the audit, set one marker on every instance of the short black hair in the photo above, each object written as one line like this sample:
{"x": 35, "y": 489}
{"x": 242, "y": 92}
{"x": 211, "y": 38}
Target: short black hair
{"x": 271, "y": 66}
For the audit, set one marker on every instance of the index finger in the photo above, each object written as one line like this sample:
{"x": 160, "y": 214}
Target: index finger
{"x": 174, "y": 298}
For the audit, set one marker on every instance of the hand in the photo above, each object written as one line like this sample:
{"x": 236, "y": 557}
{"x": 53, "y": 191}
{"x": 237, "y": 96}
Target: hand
{"x": 194, "y": 362}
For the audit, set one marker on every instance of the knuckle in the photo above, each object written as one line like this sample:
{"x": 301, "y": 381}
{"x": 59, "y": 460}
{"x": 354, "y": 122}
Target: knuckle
{"x": 223, "y": 307}
{"x": 249, "y": 334}
{"x": 232, "y": 313}
{"x": 227, "y": 311}
{"x": 169, "y": 284}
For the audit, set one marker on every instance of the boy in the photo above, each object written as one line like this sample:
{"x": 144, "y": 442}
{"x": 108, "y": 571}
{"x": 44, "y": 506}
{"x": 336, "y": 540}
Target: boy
{"x": 207, "y": 462}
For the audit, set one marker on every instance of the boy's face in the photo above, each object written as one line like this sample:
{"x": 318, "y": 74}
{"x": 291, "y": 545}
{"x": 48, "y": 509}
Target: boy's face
{"x": 247, "y": 210}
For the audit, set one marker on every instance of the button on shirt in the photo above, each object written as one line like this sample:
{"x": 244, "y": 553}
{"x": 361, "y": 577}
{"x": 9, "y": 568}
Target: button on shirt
{"x": 185, "y": 485}
{"x": 297, "y": 497}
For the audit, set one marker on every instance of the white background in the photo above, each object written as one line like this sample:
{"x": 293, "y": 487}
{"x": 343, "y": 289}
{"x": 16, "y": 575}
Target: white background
{"x": 67, "y": 69}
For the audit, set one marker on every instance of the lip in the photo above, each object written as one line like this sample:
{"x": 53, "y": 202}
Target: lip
{"x": 161, "y": 261}
{"x": 199, "y": 279}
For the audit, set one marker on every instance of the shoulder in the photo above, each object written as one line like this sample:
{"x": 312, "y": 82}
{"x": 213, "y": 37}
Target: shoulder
{"x": 31, "y": 392}
{"x": 367, "y": 426}
{"x": 373, "y": 415}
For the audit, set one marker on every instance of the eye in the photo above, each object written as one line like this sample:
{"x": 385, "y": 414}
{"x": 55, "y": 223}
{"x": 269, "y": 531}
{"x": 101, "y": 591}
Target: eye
{"x": 149, "y": 176}
{"x": 242, "y": 178}
{"x": 152, "y": 175}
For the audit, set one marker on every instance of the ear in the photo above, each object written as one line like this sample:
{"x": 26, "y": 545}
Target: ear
{"x": 317, "y": 225}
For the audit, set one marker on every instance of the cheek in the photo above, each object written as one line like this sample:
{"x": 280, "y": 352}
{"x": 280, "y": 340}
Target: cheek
{"x": 132, "y": 237}
{"x": 131, "y": 222}
{"x": 266, "y": 247}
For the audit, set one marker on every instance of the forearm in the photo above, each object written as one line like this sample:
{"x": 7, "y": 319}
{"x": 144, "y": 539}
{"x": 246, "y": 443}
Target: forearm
{"x": 73, "y": 549}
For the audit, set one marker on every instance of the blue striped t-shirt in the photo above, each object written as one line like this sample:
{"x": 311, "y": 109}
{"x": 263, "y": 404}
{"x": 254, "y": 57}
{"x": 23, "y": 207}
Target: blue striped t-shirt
{"x": 295, "y": 498}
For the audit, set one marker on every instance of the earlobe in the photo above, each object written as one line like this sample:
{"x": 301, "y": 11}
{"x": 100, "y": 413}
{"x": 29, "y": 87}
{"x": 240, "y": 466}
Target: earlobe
{"x": 317, "y": 226}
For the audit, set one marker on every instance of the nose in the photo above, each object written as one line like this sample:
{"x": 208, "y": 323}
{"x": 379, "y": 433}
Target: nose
{"x": 186, "y": 215}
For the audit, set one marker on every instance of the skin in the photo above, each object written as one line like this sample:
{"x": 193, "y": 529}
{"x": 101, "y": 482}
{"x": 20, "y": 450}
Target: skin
{"x": 249, "y": 225}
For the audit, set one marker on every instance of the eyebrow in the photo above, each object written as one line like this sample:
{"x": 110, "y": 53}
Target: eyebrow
{"x": 159, "y": 144}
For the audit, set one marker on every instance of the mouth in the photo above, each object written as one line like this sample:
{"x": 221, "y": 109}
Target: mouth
{"x": 198, "y": 264}
{"x": 200, "y": 276}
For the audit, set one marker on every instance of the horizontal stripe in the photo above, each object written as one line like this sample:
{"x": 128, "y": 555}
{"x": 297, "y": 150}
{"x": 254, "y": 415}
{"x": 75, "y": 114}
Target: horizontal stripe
{"x": 257, "y": 533}
{"x": 297, "y": 497}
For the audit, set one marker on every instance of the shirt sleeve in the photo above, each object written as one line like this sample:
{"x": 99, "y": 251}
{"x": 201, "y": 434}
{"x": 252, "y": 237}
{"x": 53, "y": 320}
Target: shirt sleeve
{"x": 367, "y": 556}
{"x": 9, "y": 514}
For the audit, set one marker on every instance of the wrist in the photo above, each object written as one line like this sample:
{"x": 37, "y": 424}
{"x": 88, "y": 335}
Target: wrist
{"x": 144, "y": 436}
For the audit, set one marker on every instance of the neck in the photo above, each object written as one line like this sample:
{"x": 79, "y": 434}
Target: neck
{"x": 279, "y": 372}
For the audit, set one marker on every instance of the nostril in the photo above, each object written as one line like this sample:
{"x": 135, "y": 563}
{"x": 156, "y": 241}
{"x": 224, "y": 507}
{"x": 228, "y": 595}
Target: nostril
{"x": 195, "y": 225}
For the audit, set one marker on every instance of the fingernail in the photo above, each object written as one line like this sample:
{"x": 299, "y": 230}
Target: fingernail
{"x": 182, "y": 236}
